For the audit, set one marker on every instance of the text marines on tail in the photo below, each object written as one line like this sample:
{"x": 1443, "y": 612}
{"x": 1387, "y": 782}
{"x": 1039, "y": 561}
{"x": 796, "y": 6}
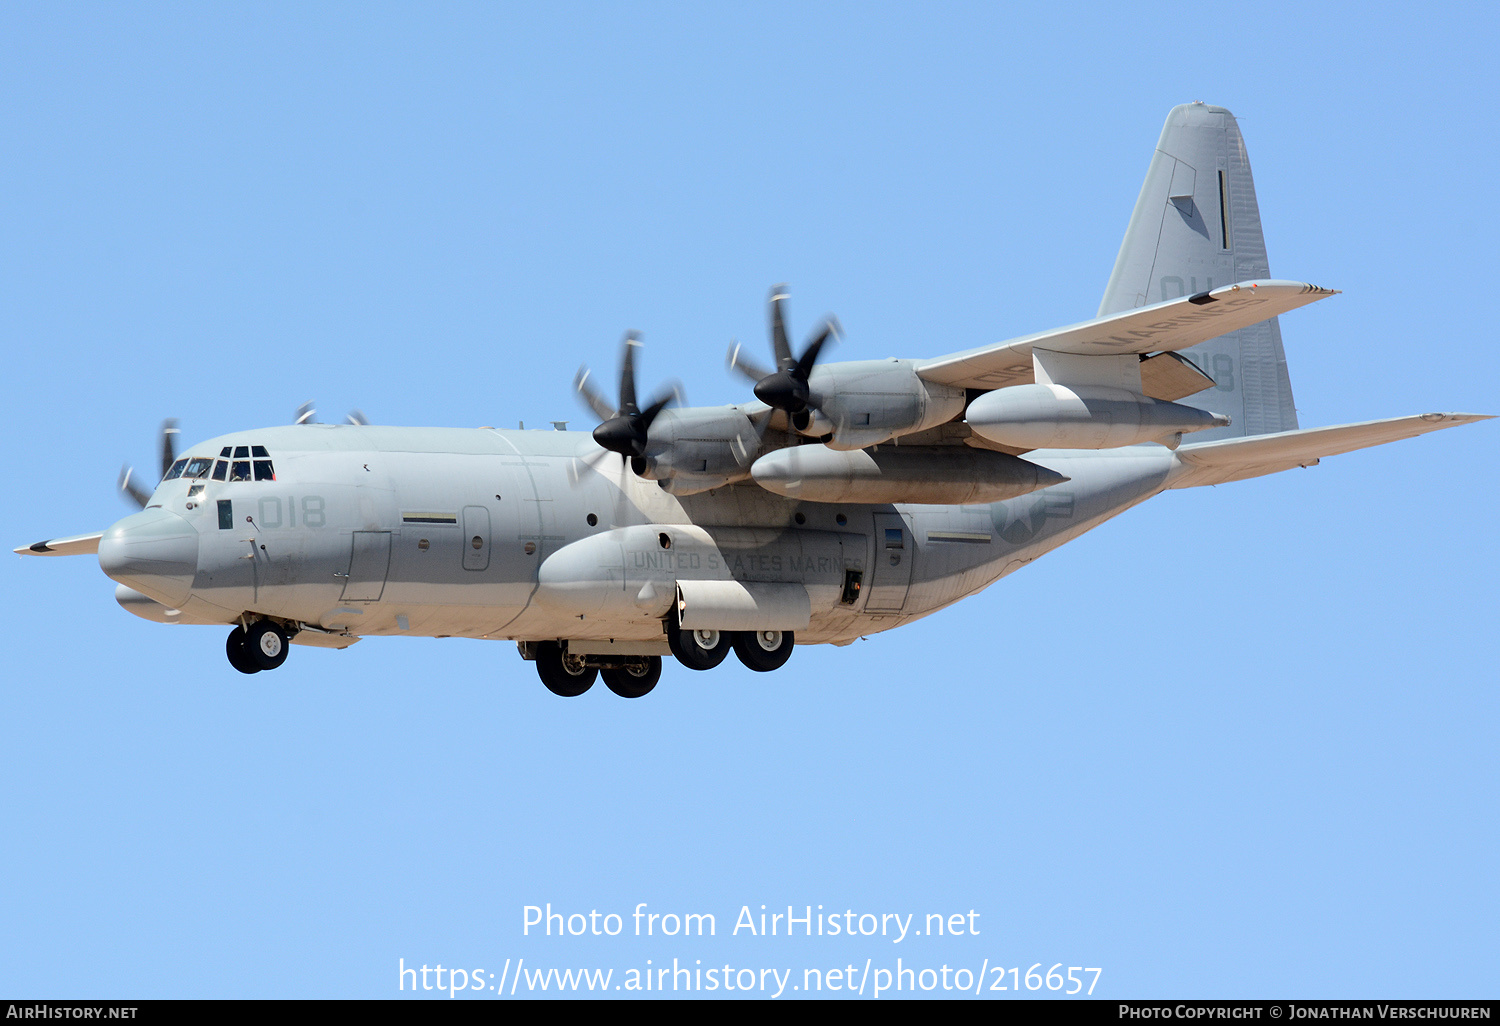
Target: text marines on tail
{"x": 847, "y": 498}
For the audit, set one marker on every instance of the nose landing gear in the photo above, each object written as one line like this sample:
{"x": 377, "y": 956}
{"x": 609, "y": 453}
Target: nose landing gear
{"x": 262, "y": 647}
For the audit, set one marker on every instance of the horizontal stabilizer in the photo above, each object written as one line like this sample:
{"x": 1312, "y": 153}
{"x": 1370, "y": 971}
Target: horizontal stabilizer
{"x": 1235, "y": 459}
{"x": 76, "y": 545}
{"x": 1163, "y": 327}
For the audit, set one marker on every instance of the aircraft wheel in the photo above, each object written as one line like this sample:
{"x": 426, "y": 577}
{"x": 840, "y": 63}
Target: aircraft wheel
{"x": 635, "y": 679}
{"x": 239, "y": 652}
{"x": 266, "y": 644}
{"x": 700, "y": 650}
{"x": 563, "y": 674}
{"x": 763, "y": 651}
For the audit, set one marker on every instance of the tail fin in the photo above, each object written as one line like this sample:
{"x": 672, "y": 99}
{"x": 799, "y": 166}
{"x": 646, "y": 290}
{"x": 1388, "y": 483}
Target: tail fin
{"x": 1196, "y": 226}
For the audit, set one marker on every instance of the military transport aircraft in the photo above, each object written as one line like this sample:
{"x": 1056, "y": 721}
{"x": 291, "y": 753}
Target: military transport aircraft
{"x": 848, "y": 498}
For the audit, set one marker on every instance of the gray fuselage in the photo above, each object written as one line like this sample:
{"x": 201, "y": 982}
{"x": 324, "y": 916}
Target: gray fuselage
{"x": 445, "y": 532}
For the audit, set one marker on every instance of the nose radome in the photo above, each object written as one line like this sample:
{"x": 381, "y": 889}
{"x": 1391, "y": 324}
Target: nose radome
{"x": 153, "y": 551}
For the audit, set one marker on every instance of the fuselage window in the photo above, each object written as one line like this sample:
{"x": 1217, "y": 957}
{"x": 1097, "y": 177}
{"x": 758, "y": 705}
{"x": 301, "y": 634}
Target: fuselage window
{"x": 176, "y": 470}
{"x": 198, "y": 468}
{"x": 221, "y": 468}
{"x": 239, "y": 470}
{"x": 264, "y": 471}
{"x": 224, "y": 452}
{"x": 241, "y": 452}
{"x": 259, "y": 452}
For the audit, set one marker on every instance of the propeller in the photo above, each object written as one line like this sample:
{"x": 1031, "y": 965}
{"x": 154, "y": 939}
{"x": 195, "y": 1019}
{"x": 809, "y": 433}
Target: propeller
{"x": 623, "y": 427}
{"x": 128, "y": 481}
{"x": 307, "y": 413}
{"x": 786, "y": 387}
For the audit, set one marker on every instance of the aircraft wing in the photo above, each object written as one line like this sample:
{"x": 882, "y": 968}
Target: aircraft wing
{"x": 74, "y": 545}
{"x": 1235, "y": 459}
{"x": 1162, "y": 327}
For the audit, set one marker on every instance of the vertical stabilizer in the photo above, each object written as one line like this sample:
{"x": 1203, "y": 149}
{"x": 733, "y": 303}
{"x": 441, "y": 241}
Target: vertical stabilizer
{"x": 1196, "y": 226}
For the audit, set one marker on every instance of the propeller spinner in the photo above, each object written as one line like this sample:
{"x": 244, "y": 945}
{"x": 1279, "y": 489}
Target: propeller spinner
{"x": 786, "y": 388}
{"x": 623, "y": 428}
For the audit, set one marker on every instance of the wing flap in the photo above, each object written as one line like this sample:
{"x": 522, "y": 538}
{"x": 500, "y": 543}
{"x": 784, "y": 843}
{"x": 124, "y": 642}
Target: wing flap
{"x": 1162, "y": 327}
{"x": 74, "y": 545}
{"x": 1235, "y": 459}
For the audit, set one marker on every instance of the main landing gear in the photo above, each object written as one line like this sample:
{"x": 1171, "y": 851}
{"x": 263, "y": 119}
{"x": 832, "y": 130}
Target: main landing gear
{"x": 761, "y": 651}
{"x": 262, "y": 647}
{"x": 571, "y": 675}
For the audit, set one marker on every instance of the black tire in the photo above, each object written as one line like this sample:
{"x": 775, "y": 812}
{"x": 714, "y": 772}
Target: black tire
{"x": 690, "y": 650}
{"x": 239, "y": 653}
{"x": 567, "y": 678}
{"x": 764, "y": 651}
{"x": 635, "y": 679}
{"x": 266, "y": 644}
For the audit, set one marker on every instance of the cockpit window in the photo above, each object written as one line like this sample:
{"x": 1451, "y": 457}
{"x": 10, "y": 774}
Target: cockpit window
{"x": 234, "y": 463}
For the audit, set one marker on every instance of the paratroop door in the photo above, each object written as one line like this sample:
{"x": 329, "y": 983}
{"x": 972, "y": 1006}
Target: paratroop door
{"x": 890, "y": 576}
{"x": 369, "y": 561}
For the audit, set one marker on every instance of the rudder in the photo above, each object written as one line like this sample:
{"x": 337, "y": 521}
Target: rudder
{"x": 1196, "y": 226}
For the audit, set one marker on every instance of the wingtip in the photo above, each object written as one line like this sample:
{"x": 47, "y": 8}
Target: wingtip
{"x": 1457, "y": 418}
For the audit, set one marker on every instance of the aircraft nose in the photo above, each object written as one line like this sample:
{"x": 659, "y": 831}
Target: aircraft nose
{"x": 153, "y": 551}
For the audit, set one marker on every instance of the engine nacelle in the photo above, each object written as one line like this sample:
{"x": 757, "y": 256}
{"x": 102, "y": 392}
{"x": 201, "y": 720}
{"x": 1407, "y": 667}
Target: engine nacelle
{"x": 866, "y": 402}
{"x": 953, "y": 474}
{"x": 1045, "y": 416}
{"x": 697, "y": 448}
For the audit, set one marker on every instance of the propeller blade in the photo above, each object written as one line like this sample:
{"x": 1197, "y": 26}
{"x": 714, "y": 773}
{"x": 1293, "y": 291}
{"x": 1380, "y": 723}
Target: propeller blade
{"x": 627, "y": 375}
{"x": 169, "y": 434}
{"x": 744, "y": 365}
{"x": 810, "y": 354}
{"x": 137, "y": 494}
{"x": 306, "y": 414}
{"x": 592, "y": 461}
{"x": 646, "y": 416}
{"x": 779, "y": 345}
{"x": 591, "y": 396}
{"x": 357, "y": 418}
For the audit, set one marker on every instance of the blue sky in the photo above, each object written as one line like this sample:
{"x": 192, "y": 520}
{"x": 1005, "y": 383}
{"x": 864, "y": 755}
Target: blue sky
{"x": 1238, "y": 742}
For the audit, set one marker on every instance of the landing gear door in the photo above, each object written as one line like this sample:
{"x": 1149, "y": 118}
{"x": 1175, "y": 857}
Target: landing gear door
{"x": 369, "y": 561}
{"x": 890, "y": 576}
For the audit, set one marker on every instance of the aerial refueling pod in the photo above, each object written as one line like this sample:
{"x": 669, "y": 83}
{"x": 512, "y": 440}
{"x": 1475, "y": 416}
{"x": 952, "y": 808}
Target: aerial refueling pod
{"x": 952, "y": 474}
{"x": 1049, "y": 416}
